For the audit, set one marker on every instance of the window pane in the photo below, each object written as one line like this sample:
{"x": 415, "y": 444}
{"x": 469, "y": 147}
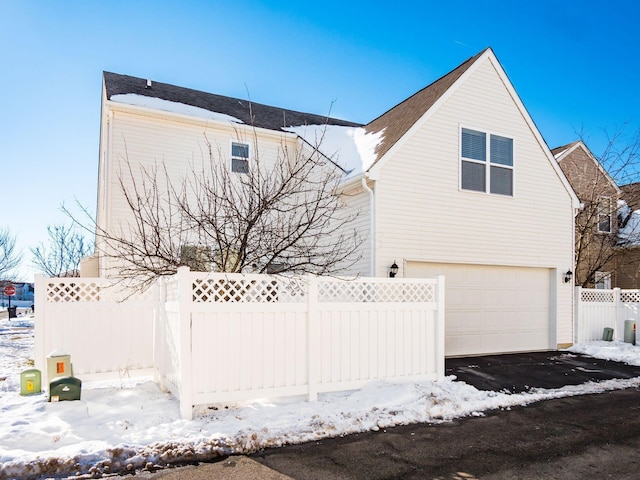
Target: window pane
{"x": 501, "y": 181}
{"x": 501, "y": 150}
{"x": 239, "y": 165}
{"x": 474, "y": 144}
{"x": 473, "y": 176}
{"x": 604, "y": 223}
{"x": 240, "y": 150}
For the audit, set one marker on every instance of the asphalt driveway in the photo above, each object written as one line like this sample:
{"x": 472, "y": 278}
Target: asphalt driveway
{"x": 520, "y": 372}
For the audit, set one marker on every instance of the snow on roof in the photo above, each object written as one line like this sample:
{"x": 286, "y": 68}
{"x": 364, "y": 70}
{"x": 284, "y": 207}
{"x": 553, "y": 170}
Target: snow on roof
{"x": 173, "y": 107}
{"x": 630, "y": 233}
{"x": 350, "y": 147}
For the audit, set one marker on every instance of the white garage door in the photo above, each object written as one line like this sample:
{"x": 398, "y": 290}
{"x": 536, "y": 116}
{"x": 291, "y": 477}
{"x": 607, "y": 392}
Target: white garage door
{"x": 492, "y": 309}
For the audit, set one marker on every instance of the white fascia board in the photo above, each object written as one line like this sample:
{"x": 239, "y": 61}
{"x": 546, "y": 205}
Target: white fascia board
{"x": 179, "y": 117}
{"x": 374, "y": 171}
{"x": 580, "y": 144}
{"x": 490, "y": 56}
{"x": 534, "y": 130}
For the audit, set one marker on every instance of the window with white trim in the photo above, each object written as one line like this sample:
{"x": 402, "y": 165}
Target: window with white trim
{"x": 239, "y": 157}
{"x": 603, "y": 280}
{"x": 604, "y": 215}
{"x": 486, "y": 166}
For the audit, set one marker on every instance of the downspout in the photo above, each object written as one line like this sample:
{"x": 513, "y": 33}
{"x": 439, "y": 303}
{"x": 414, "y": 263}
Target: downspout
{"x": 372, "y": 228}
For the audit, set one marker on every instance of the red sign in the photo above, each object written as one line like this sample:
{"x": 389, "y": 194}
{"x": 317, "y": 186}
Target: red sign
{"x": 9, "y": 290}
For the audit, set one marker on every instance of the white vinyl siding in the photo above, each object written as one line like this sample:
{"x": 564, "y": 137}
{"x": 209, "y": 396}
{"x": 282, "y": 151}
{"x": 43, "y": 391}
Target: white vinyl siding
{"x": 495, "y": 176}
{"x": 421, "y": 215}
{"x": 157, "y": 141}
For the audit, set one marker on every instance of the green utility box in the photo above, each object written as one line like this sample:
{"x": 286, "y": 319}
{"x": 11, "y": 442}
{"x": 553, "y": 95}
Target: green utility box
{"x": 30, "y": 382}
{"x": 58, "y": 365}
{"x": 607, "y": 334}
{"x": 65, "y": 388}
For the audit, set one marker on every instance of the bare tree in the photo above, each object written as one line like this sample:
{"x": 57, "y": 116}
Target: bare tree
{"x": 604, "y": 236}
{"x": 61, "y": 258}
{"x": 10, "y": 258}
{"x": 282, "y": 216}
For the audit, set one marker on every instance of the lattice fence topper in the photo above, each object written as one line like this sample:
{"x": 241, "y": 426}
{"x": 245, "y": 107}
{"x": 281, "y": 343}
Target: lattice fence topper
{"x": 602, "y": 296}
{"x": 364, "y": 291}
{"x": 83, "y": 290}
{"x": 630, "y": 296}
{"x": 73, "y": 292}
{"x": 248, "y": 290}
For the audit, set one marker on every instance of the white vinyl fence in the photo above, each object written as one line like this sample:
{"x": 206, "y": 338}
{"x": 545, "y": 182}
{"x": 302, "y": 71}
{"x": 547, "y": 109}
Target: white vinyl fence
{"x": 226, "y": 337}
{"x": 598, "y": 309}
{"x": 89, "y": 318}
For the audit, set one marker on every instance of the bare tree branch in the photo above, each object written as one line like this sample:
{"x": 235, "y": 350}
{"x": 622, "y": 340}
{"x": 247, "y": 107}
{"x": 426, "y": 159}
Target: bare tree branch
{"x": 61, "y": 258}
{"x": 282, "y": 216}
{"x": 10, "y": 258}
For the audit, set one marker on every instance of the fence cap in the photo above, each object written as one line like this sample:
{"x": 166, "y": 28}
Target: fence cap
{"x": 58, "y": 353}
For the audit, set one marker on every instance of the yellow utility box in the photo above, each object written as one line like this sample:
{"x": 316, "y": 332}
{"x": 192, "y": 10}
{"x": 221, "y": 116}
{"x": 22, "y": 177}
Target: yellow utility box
{"x": 30, "y": 382}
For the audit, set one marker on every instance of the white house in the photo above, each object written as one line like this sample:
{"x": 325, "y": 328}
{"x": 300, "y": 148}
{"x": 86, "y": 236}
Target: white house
{"x": 455, "y": 180}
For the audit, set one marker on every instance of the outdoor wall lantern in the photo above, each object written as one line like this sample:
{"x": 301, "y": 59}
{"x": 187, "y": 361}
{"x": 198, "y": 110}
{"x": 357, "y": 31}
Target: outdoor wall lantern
{"x": 393, "y": 269}
{"x": 568, "y": 276}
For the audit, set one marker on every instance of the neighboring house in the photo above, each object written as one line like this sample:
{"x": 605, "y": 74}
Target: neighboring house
{"x": 608, "y": 225}
{"x": 597, "y": 221}
{"x": 627, "y": 260}
{"x": 455, "y": 180}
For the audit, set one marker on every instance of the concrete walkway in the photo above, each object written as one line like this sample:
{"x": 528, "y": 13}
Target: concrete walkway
{"x": 231, "y": 468}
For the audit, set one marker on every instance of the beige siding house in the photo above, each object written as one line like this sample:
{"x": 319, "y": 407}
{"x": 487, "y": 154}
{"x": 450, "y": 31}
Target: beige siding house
{"x": 455, "y": 180}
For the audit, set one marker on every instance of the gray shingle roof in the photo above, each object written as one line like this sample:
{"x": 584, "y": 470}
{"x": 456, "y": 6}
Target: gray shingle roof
{"x": 264, "y": 116}
{"x": 397, "y": 121}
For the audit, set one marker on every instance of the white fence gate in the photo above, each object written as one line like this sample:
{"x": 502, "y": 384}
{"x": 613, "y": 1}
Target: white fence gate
{"x": 598, "y": 309}
{"x": 226, "y": 337}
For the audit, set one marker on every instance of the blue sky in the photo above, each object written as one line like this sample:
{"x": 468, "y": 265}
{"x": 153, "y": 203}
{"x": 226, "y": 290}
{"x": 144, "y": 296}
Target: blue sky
{"x": 574, "y": 64}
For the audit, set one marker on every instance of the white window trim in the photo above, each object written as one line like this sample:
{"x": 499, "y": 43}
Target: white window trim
{"x": 486, "y": 163}
{"x": 610, "y": 215}
{"x": 603, "y": 279}
{"x": 231, "y": 157}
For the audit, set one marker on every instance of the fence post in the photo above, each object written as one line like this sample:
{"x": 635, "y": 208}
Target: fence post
{"x": 39, "y": 329}
{"x": 184, "y": 307}
{"x": 159, "y": 300}
{"x": 440, "y": 327}
{"x": 577, "y": 314}
{"x": 313, "y": 338}
{"x": 620, "y": 315}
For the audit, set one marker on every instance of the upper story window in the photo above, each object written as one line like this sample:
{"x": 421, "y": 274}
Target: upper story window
{"x": 602, "y": 280}
{"x": 239, "y": 157}
{"x": 478, "y": 174}
{"x": 604, "y": 215}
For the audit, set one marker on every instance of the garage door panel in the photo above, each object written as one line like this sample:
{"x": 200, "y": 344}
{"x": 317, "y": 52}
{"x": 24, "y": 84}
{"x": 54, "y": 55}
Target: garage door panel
{"x": 492, "y": 309}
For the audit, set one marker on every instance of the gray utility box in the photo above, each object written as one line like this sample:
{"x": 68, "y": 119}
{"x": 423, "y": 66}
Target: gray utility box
{"x": 607, "y": 334}
{"x": 630, "y": 331}
{"x": 65, "y": 388}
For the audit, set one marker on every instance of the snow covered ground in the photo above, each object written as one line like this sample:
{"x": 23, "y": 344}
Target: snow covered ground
{"x": 126, "y": 425}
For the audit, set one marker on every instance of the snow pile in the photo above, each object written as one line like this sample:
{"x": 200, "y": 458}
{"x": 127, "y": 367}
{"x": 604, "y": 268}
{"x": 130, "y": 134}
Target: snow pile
{"x": 350, "y": 147}
{"x": 172, "y": 107}
{"x": 126, "y": 425}
{"x": 617, "y": 351}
